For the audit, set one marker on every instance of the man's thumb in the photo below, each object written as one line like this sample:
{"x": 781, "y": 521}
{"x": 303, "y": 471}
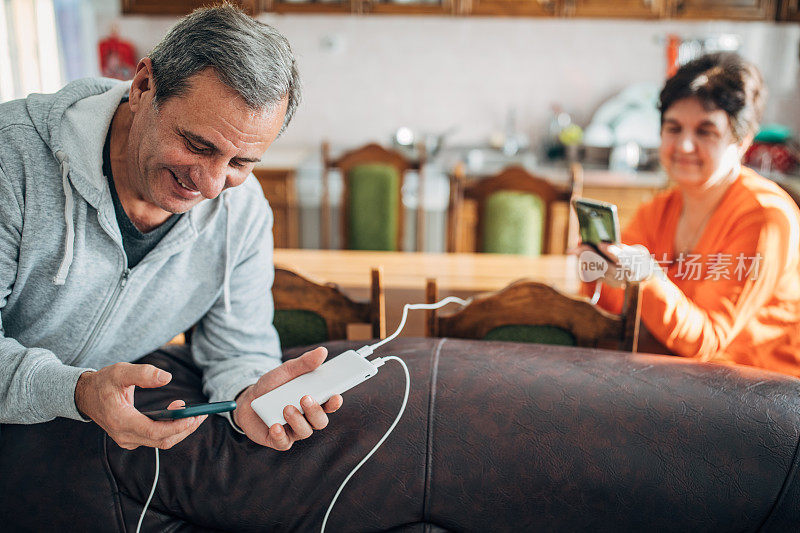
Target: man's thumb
{"x": 146, "y": 376}
{"x": 301, "y": 365}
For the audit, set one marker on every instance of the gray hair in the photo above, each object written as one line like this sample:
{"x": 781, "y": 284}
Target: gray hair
{"x": 250, "y": 57}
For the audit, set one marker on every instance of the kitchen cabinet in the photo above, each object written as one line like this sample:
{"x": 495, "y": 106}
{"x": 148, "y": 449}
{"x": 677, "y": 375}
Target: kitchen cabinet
{"x": 434, "y": 7}
{"x": 329, "y": 7}
{"x": 640, "y": 9}
{"x": 790, "y": 10}
{"x": 179, "y": 7}
{"x": 509, "y": 8}
{"x": 722, "y": 9}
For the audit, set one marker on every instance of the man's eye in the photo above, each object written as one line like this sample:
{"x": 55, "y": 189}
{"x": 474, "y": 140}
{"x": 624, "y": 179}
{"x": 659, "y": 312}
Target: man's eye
{"x": 193, "y": 148}
{"x": 235, "y": 164}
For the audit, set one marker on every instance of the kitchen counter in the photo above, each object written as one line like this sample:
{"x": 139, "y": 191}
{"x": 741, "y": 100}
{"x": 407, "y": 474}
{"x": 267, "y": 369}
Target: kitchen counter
{"x": 288, "y": 158}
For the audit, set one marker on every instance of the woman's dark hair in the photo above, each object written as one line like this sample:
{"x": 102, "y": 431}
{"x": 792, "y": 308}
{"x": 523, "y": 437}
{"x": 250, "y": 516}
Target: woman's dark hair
{"x": 722, "y": 80}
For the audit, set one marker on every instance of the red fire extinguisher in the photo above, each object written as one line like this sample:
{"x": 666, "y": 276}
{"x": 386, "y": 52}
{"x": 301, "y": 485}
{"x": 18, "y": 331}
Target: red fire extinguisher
{"x": 117, "y": 57}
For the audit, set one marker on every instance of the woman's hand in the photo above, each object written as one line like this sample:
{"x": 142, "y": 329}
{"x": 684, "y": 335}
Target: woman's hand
{"x": 616, "y": 264}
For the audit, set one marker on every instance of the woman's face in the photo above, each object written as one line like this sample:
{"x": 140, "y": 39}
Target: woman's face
{"x": 698, "y": 147}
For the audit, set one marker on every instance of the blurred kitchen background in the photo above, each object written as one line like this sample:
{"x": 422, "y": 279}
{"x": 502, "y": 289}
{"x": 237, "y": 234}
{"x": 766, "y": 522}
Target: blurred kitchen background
{"x": 479, "y": 85}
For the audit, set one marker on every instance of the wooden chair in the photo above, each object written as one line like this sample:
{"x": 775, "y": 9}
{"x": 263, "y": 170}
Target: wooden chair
{"x": 515, "y": 179}
{"x": 279, "y": 188}
{"x": 369, "y": 155}
{"x": 308, "y": 313}
{"x": 528, "y": 311}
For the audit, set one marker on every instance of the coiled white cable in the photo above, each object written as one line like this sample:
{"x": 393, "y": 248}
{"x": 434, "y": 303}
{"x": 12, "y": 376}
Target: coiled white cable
{"x": 152, "y": 491}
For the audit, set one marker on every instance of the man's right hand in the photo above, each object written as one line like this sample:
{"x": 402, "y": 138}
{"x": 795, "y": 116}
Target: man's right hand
{"x": 106, "y": 396}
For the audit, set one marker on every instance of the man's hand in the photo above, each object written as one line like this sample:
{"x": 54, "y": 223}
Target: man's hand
{"x": 299, "y": 426}
{"x": 106, "y": 396}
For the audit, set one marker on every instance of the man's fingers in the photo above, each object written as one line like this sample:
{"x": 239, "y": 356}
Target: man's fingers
{"x": 145, "y": 376}
{"x": 144, "y": 431}
{"x": 297, "y": 422}
{"x": 278, "y": 438}
{"x": 314, "y": 414}
{"x": 172, "y": 441}
{"x": 177, "y": 404}
{"x": 295, "y": 367}
{"x": 333, "y": 405}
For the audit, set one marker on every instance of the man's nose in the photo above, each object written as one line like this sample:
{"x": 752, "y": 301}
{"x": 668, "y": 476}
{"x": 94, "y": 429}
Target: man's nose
{"x": 209, "y": 177}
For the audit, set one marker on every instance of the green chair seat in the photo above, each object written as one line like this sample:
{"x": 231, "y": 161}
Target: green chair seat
{"x": 372, "y": 214}
{"x": 536, "y": 334}
{"x": 298, "y": 327}
{"x": 513, "y": 223}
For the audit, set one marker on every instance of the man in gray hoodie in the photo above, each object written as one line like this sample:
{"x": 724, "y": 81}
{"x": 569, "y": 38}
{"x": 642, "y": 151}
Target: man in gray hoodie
{"x": 128, "y": 213}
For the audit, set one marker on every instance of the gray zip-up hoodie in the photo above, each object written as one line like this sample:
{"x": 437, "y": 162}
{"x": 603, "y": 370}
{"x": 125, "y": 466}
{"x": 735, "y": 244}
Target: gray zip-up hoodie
{"x": 69, "y": 302}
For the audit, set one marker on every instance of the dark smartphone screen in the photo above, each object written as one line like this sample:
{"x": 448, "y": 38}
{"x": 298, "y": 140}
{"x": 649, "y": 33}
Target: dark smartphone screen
{"x": 191, "y": 410}
{"x": 598, "y": 221}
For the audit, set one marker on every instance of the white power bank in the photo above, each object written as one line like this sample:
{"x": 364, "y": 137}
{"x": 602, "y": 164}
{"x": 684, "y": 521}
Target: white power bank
{"x": 335, "y": 376}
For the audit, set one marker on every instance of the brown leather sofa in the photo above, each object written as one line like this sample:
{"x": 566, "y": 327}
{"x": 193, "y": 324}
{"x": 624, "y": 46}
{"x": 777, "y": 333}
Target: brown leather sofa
{"x": 496, "y": 437}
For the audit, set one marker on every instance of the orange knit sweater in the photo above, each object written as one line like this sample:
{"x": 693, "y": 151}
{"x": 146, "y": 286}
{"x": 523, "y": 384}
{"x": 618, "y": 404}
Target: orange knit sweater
{"x": 736, "y": 297}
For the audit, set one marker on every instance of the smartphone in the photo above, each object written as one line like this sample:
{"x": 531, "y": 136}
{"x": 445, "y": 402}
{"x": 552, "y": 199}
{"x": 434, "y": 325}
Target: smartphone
{"x": 598, "y": 221}
{"x": 191, "y": 410}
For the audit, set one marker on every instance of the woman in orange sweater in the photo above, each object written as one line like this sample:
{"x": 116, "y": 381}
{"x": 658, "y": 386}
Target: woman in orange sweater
{"x": 718, "y": 256}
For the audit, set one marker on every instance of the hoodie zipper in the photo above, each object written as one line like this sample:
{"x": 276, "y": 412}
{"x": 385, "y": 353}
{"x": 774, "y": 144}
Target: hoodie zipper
{"x": 123, "y": 280}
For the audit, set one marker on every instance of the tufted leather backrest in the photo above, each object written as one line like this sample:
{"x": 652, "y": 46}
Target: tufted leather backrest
{"x": 496, "y": 437}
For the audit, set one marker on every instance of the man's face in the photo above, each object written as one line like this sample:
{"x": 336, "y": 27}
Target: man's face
{"x": 195, "y": 145}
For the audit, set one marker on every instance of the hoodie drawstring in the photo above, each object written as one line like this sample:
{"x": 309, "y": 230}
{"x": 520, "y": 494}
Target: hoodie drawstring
{"x": 226, "y": 280}
{"x": 69, "y": 240}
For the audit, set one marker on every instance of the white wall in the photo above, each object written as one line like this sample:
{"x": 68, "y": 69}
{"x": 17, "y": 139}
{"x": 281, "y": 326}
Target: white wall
{"x": 366, "y": 76}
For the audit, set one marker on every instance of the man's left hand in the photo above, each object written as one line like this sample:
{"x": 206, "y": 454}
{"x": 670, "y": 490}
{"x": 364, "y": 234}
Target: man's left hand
{"x": 299, "y": 426}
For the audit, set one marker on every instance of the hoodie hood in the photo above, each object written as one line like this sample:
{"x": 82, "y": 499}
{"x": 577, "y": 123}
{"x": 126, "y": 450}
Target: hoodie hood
{"x": 74, "y": 123}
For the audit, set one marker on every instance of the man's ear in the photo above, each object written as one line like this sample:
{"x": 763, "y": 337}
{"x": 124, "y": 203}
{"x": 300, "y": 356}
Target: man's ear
{"x": 142, "y": 87}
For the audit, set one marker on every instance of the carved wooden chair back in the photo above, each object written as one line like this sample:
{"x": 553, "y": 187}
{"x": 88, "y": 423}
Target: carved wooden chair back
{"x": 307, "y": 312}
{"x": 511, "y": 179}
{"x": 370, "y": 154}
{"x": 529, "y": 311}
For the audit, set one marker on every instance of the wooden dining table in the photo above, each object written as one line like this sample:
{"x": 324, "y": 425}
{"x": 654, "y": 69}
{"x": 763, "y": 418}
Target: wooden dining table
{"x": 467, "y": 272}
{"x": 405, "y": 274}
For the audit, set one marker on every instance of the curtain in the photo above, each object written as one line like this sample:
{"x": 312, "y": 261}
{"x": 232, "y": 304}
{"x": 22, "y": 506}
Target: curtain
{"x": 44, "y": 44}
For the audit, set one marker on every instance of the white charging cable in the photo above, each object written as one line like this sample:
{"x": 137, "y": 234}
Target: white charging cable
{"x": 378, "y": 362}
{"x": 598, "y": 287}
{"x": 368, "y": 350}
{"x": 152, "y": 491}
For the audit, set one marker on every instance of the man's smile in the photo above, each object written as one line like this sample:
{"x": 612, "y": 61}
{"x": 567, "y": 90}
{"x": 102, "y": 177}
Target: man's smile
{"x": 188, "y": 188}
